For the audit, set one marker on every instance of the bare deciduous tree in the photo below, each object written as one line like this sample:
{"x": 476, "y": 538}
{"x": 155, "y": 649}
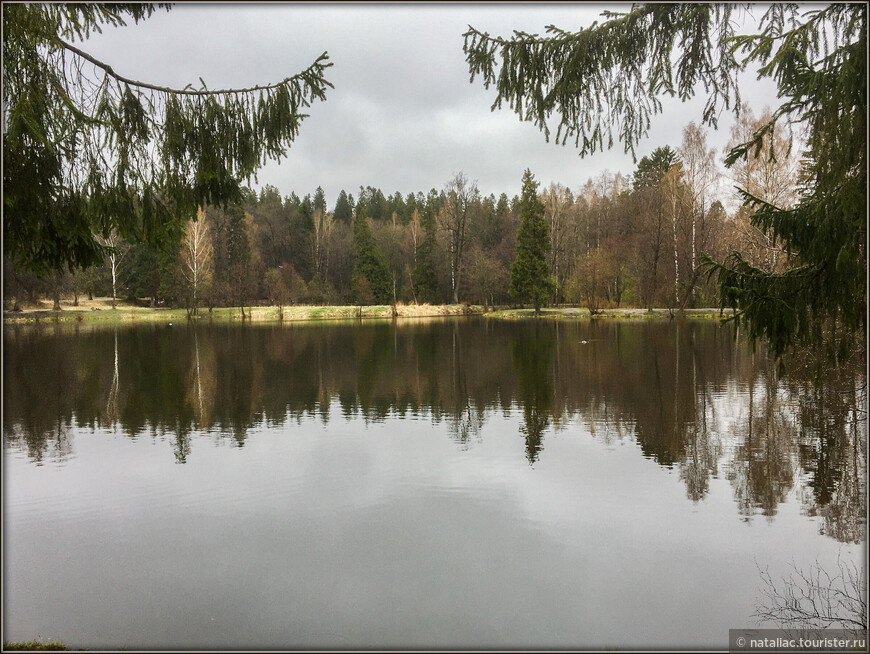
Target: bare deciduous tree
{"x": 118, "y": 249}
{"x": 701, "y": 175}
{"x": 323, "y": 223}
{"x": 815, "y": 598}
{"x": 558, "y": 205}
{"x": 771, "y": 174}
{"x": 196, "y": 259}
{"x": 674, "y": 189}
{"x": 460, "y": 196}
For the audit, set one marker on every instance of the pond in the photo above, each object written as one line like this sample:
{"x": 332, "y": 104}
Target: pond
{"x": 455, "y": 483}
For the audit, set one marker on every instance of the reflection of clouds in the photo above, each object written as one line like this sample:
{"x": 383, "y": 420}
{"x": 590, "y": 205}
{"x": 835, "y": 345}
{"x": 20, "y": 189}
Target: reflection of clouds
{"x": 365, "y": 526}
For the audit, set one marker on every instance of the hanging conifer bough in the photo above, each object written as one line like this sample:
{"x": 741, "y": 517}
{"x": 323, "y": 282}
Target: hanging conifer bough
{"x": 87, "y": 150}
{"x": 606, "y": 81}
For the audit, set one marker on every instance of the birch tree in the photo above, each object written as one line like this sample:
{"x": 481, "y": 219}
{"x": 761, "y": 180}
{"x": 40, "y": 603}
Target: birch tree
{"x": 460, "y": 196}
{"x": 196, "y": 259}
{"x": 116, "y": 249}
{"x": 700, "y": 175}
{"x": 771, "y": 174}
{"x": 674, "y": 191}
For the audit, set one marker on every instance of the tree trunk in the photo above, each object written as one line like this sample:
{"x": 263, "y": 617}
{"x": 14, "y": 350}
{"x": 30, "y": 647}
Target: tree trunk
{"x": 113, "y": 261}
{"x": 694, "y": 263}
{"x": 56, "y": 292}
{"x": 453, "y": 284}
{"x": 676, "y": 265}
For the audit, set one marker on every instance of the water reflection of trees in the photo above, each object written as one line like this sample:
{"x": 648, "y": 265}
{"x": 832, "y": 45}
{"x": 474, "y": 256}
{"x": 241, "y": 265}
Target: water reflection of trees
{"x": 762, "y": 469}
{"x": 691, "y": 397}
{"x": 832, "y": 452}
{"x": 532, "y": 355}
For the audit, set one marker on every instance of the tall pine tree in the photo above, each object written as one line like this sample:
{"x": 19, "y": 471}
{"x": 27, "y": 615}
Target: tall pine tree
{"x": 370, "y": 271}
{"x": 343, "y": 211}
{"x": 424, "y": 276}
{"x": 530, "y": 275}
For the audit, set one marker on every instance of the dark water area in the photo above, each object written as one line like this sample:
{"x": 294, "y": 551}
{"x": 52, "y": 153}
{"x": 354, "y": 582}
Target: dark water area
{"x": 456, "y": 483}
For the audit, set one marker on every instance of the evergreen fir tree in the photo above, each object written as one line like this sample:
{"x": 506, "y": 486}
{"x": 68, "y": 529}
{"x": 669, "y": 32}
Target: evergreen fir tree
{"x": 369, "y": 262}
{"x": 319, "y": 200}
{"x": 424, "y": 276}
{"x": 651, "y": 169}
{"x": 307, "y": 213}
{"x": 530, "y": 278}
{"x": 343, "y": 211}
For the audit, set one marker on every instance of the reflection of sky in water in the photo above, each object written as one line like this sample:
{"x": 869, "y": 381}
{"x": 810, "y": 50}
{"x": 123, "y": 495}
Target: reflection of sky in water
{"x": 337, "y": 531}
{"x": 369, "y": 535}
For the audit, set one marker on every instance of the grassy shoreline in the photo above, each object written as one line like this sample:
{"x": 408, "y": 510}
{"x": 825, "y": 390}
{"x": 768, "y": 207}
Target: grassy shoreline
{"x": 609, "y": 314}
{"x": 99, "y": 312}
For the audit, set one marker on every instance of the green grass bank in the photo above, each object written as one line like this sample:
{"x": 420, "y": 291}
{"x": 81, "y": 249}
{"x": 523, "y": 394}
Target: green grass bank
{"x": 573, "y": 313}
{"x": 100, "y": 312}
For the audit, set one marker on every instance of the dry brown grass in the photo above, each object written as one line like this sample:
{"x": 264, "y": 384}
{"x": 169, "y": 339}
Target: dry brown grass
{"x": 99, "y": 310}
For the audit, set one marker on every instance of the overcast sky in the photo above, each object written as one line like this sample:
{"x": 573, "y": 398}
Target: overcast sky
{"x": 403, "y": 115}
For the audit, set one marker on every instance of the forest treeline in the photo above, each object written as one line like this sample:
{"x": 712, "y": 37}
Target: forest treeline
{"x": 614, "y": 241}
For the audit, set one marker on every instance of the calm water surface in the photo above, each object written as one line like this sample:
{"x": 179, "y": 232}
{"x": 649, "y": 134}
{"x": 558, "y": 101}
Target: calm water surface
{"x": 450, "y": 483}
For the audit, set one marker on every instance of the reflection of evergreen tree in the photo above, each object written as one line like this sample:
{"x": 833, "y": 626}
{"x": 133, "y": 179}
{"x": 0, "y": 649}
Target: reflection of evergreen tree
{"x": 181, "y": 442}
{"x": 236, "y": 386}
{"x": 532, "y": 356}
{"x": 372, "y": 348}
{"x": 427, "y": 364}
{"x": 348, "y": 402}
